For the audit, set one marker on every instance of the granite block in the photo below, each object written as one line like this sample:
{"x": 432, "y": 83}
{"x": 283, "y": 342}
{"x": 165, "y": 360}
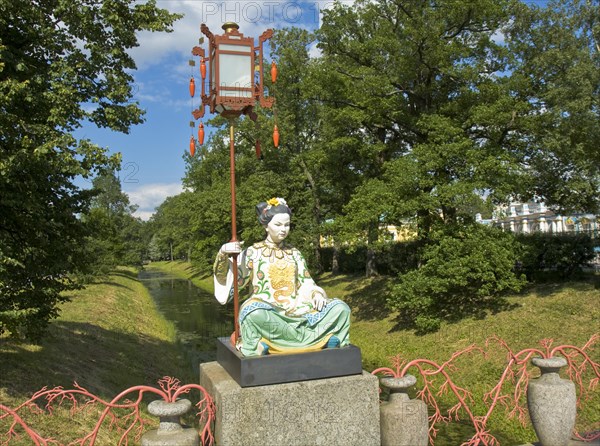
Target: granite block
{"x": 332, "y": 411}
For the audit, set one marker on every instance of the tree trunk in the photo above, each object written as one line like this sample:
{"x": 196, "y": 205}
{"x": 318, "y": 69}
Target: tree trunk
{"x": 171, "y": 250}
{"x": 335, "y": 261}
{"x": 449, "y": 214}
{"x": 316, "y": 216}
{"x": 370, "y": 269}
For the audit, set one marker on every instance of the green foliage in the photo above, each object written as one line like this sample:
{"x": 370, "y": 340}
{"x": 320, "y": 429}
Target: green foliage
{"x": 171, "y": 228}
{"x": 154, "y": 251}
{"x": 464, "y": 271}
{"x": 419, "y": 125}
{"x": 555, "y": 68}
{"x": 392, "y": 257}
{"x": 561, "y": 256}
{"x": 57, "y": 58}
{"x": 430, "y": 116}
{"x": 115, "y": 237}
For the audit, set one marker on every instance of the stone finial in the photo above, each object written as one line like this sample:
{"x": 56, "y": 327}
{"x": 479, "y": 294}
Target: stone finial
{"x": 549, "y": 365}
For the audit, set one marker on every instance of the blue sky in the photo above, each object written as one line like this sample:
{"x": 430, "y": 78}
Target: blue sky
{"x": 152, "y": 153}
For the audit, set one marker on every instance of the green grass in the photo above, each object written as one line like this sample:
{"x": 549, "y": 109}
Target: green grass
{"x": 108, "y": 338}
{"x": 568, "y": 313}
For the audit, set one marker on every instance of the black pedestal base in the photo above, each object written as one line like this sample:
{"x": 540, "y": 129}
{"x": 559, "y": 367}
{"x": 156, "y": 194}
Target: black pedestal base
{"x": 277, "y": 369}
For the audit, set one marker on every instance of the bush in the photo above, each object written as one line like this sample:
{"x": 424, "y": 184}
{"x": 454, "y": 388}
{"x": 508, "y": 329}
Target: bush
{"x": 562, "y": 255}
{"x": 464, "y": 272}
{"x": 349, "y": 261}
{"x": 390, "y": 258}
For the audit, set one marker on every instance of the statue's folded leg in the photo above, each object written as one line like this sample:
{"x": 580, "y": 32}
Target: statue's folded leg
{"x": 337, "y": 323}
{"x": 285, "y": 334}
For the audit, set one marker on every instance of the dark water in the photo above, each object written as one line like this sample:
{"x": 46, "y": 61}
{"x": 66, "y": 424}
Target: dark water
{"x": 198, "y": 317}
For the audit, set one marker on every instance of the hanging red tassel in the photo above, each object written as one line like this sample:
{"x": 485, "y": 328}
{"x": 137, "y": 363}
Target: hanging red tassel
{"x": 203, "y": 69}
{"x": 276, "y": 136}
{"x": 192, "y": 87}
{"x": 257, "y": 148}
{"x": 192, "y": 146}
{"x": 273, "y": 72}
{"x": 201, "y": 134}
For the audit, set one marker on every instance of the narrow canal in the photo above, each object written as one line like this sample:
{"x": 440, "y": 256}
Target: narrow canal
{"x": 198, "y": 317}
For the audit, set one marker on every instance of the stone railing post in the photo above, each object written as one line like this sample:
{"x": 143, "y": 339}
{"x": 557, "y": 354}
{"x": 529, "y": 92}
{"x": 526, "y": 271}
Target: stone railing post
{"x": 170, "y": 432}
{"x": 552, "y": 403}
{"x": 403, "y": 421}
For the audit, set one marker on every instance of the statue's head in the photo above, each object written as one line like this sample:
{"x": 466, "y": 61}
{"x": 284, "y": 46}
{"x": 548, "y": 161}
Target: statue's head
{"x": 268, "y": 209}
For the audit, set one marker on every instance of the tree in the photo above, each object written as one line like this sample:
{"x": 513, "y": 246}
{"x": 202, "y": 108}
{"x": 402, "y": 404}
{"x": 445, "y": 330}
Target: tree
{"x": 61, "y": 62}
{"x": 556, "y": 72}
{"x": 465, "y": 271}
{"x": 414, "y": 97}
{"x": 154, "y": 251}
{"x": 116, "y": 236}
{"x": 446, "y": 117}
{"x": 172, "y": 226}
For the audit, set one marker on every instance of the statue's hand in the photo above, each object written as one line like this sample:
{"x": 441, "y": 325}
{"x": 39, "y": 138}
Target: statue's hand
{"x": 231, "y": 248}
{"x": 320, "y": 300}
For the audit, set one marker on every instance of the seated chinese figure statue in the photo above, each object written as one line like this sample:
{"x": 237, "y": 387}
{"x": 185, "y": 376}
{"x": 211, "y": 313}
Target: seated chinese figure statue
{"x": 285, "y": 312}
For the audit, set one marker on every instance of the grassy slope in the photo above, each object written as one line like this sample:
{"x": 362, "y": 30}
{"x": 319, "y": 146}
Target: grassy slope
{"x": 569, "y": 313}
{"x": 108, "y": 338}
{"x": 184, "y": 270}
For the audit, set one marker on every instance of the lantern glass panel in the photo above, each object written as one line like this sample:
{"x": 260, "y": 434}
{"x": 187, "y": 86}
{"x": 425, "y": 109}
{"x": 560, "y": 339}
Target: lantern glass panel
{"x": 235, "y": 71}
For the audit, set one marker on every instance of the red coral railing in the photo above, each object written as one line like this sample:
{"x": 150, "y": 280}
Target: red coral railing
{"x": 81, "y": 399}
{"x": 515, "y": 371}
{"x": 578, "y": 362}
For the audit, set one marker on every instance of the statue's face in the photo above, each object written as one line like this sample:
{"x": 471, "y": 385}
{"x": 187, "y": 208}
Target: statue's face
{"x": 278, "y": 228}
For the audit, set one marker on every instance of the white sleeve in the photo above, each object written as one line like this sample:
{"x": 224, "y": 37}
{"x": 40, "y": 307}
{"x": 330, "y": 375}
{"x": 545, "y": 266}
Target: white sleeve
{"x": 224, "y": 288}
{"x": 223, "y": 292}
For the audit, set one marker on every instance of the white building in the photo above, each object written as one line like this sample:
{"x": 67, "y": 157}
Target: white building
{"x": 535, "y": 217}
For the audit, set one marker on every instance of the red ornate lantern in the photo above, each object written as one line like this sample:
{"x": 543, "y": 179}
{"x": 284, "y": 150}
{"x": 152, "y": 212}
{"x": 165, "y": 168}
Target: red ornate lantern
{"x": 192, "y": 87}
{"x": 203, "y": 69}
{"x": 201, "y": 134}
{"x": 192, "y": 146}
{"x": 276, "y": 136}
{"x": 273, "y": 72}
{"x": 232, "y": 89}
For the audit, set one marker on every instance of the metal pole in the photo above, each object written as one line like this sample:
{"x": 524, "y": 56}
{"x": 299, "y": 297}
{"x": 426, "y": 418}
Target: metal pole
{"x": 236, "y": 333}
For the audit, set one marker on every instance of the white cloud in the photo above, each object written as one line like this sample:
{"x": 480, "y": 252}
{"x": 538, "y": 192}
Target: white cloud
{"x": 149, "y": 196}
{"x": 144, "y": 215}
{"x": 253, "y": 17}
{"x": 313, "y": 51}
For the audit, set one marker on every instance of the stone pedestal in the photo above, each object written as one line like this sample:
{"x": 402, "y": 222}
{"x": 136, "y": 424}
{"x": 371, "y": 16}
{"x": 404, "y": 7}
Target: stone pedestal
{"x": 341, "y": 410}
{"x": 278, "y": 369}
